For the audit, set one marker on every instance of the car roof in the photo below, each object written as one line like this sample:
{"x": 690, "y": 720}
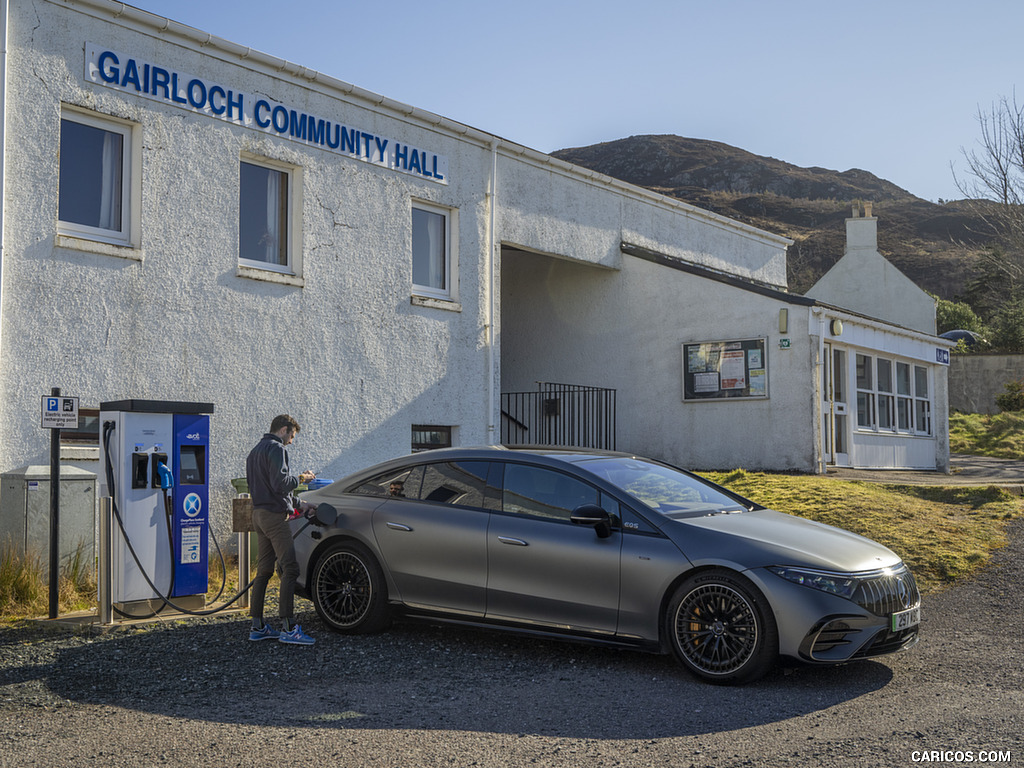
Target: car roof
{"x": 542, "y": 454}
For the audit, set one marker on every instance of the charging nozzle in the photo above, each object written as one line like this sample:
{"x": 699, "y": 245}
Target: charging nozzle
{"x": 166, "y": 478}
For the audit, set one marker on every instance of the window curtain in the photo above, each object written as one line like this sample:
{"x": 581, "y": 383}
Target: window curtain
{"x": 272, "y": 239}
{"x": 110, "y": 183}
{"x": 435, "y": 234}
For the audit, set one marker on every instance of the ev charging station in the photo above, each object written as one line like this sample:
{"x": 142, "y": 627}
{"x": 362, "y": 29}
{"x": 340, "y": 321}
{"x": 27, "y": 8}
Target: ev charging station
{"x": 156, "y": 457}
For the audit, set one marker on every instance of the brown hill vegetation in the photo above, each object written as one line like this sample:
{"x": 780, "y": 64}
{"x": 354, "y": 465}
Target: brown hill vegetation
{"x": 935, "y": 244}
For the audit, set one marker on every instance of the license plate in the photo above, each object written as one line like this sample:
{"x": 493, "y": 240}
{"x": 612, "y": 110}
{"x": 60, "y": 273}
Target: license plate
{"x": 906, "y": 619}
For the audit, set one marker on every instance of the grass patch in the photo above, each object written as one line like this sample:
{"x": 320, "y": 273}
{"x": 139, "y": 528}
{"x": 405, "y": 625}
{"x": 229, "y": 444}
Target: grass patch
{"x": 25, "y": 586}
{"x": 1000, "y": 436}
{"x": 943, "y": 533}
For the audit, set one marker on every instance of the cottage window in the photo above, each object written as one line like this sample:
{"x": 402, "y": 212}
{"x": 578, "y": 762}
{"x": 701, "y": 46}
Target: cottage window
{"x": 865, "y": 393}
{"x": 922, "y": 402}
{"x": 886, "y": 401}
{"x": 893, "y": 396}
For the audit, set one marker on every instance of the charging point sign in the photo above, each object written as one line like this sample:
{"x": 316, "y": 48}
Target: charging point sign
{"x": 59, "y": 413}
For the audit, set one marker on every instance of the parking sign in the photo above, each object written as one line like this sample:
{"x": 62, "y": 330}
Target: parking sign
{"x": 59, "y": 412}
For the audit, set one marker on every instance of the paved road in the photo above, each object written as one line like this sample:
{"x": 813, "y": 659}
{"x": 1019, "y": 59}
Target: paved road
{"x": 964, "y": 470}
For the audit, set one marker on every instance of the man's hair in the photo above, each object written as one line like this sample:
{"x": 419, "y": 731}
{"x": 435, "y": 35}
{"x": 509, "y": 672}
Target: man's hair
{"x": 284, "y": 420}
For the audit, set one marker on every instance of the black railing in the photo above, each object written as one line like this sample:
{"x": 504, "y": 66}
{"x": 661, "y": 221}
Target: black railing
{"x": 559, "y": 414}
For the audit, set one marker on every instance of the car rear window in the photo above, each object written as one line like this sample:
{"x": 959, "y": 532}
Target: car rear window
{"x": 400, "y": 483}
{"x": 460, "y": 483}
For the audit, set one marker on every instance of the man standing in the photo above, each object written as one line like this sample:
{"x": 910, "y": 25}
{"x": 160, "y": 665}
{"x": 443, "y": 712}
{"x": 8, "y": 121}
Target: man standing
{"x": 271, "y": 485}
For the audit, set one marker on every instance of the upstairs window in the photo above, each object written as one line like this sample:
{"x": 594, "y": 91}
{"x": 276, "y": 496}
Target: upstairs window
{"x": 264, "y": 220}
{"x": 94, "y": 196}
{"x": 431, "y": 251}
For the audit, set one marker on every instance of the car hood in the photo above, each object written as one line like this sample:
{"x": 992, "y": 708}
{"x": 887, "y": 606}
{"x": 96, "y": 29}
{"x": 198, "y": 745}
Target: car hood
{"x": 765, "y": 537}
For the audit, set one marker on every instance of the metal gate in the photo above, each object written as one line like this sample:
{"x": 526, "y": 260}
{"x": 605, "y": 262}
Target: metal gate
{"x": 559, "y": 414}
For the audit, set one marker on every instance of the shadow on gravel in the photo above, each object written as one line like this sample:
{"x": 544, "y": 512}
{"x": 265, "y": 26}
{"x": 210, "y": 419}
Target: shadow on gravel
{"x": 414, "y": 676}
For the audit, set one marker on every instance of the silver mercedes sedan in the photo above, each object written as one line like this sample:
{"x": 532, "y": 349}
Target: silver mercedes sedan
{"x": 600, "y": 547}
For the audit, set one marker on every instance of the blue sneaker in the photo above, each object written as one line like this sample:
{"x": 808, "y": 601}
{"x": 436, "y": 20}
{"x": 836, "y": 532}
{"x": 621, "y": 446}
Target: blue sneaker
{"x": 296, "y": 637}
{"x": 264, "y": 634}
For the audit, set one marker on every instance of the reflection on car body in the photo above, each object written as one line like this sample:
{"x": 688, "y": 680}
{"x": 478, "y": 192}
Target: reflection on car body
{"x": 603, "y": 547}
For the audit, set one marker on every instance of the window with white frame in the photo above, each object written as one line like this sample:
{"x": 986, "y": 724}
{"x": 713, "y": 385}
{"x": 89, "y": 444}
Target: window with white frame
{"x": 865, "y": 393}
{"x": 904, "y": 397}
{"x": 922, "y": 402}
{"x": 94, "y": 196}
{"x": 431, "y": 251}
{"x": 264, "y": 216}
{"x": 886, "y": 401}
{"x": 893, "y": 396}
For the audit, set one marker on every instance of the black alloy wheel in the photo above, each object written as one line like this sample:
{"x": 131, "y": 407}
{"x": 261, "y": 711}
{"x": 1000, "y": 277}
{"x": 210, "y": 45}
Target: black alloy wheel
{"x": 722, "y": 628}
{"x": 348, "y": 590}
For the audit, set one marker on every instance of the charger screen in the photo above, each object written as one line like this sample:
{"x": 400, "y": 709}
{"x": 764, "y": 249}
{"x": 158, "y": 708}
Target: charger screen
{"x": 192, "y": 465}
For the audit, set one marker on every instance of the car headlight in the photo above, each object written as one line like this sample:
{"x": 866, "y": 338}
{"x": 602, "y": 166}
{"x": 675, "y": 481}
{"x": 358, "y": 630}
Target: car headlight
{"x": 841, "y": 584}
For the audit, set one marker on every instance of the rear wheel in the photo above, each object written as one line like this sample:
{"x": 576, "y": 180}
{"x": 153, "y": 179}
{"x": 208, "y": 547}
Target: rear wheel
{"x": 348, "y": 589}
{"x": 721, "y": 628}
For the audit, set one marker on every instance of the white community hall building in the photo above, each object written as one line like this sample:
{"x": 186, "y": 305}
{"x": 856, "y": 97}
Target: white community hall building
{"x": 187, "y": 219}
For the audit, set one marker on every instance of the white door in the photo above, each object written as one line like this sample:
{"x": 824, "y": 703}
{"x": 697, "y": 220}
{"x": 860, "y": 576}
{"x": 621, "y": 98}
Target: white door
{"x": 835, "y": 429}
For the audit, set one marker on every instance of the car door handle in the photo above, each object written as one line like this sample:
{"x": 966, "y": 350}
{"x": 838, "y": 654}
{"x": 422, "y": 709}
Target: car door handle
{"x": 513, "y": 542}
{"x": 399, "y": 527}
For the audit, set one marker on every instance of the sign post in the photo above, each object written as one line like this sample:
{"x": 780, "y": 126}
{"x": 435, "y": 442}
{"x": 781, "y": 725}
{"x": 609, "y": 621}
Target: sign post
{"x": 57, "y": 413}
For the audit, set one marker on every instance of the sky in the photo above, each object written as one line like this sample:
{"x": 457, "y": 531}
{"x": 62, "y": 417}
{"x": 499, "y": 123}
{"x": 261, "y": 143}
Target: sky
{"x": 893, "y": 87}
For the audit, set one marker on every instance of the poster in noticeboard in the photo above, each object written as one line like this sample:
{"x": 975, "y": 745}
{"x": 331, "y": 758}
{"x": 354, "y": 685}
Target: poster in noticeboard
{"x": 715, "y": 370}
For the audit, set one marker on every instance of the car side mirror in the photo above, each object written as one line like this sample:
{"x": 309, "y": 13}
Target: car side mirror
{"x": 324, "y": 515}
{"x": 595, "y": 516}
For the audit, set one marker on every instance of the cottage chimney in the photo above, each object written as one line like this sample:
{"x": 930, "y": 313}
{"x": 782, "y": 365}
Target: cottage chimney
{"x": 862, "y": 231}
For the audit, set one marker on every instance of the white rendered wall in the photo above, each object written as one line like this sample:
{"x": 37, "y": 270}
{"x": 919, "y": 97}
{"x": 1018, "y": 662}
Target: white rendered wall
{"x": 623, "y": 330}
{"x": 547, "y": 211}
{"x": 347, "y": 353}
{"x": 866, "y": 282}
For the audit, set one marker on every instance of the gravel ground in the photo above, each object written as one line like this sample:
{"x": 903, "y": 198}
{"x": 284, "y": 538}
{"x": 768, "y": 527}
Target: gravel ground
{"x": 196, "y": 692}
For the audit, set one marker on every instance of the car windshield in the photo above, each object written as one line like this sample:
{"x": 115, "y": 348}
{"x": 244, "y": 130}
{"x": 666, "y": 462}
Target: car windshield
{"x": 664, "y": 489}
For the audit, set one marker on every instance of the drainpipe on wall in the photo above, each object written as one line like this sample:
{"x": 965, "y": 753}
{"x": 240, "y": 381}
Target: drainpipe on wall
{"x": 818, "y": 314}
{"x": 4, "y": 6}
{"x": 492, "y": 245}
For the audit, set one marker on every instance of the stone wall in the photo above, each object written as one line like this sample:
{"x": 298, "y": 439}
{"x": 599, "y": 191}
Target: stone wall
{"x": 976, "y": 380}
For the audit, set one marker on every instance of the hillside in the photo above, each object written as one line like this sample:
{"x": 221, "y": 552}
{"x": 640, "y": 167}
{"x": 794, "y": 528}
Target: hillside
{"x": 935, "y": 245}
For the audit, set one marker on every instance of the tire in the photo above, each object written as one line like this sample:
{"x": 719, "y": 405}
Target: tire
{"x": 722, "y": 629}
{"x": 348, "y": 590}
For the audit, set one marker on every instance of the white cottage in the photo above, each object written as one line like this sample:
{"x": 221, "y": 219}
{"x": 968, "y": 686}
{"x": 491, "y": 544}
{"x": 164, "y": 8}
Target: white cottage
{"x": 187, "y": 219}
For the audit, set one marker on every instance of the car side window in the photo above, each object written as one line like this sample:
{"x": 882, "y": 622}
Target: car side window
{"x": 460, "y": 483}
{"x": 401, "y": 483}
{"x": 542, "y": 492}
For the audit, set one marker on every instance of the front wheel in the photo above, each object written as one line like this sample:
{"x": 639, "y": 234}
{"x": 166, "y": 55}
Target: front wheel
{"x": 348, "y": 590}
{"x": 721, "y": 628}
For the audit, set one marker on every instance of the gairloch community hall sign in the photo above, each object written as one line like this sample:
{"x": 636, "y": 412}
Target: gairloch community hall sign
{"x": 124, "y": 73}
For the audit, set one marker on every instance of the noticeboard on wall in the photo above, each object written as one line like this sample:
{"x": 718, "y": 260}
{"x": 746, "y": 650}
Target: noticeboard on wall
{"x": 716, "y": 370}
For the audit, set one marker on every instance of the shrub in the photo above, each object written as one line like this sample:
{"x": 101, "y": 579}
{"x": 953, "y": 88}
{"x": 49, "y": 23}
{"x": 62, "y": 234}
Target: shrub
{"x": 1013, "y": 398}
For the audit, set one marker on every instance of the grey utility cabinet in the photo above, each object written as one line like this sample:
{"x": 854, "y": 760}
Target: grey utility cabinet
{"x": 25, "y": 514}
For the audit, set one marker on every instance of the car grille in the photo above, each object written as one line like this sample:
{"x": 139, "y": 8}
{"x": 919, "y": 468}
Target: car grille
{"x": 833, "y": 635}
{"x": 889, "y": 642}
{"x": 888, "y": 592}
